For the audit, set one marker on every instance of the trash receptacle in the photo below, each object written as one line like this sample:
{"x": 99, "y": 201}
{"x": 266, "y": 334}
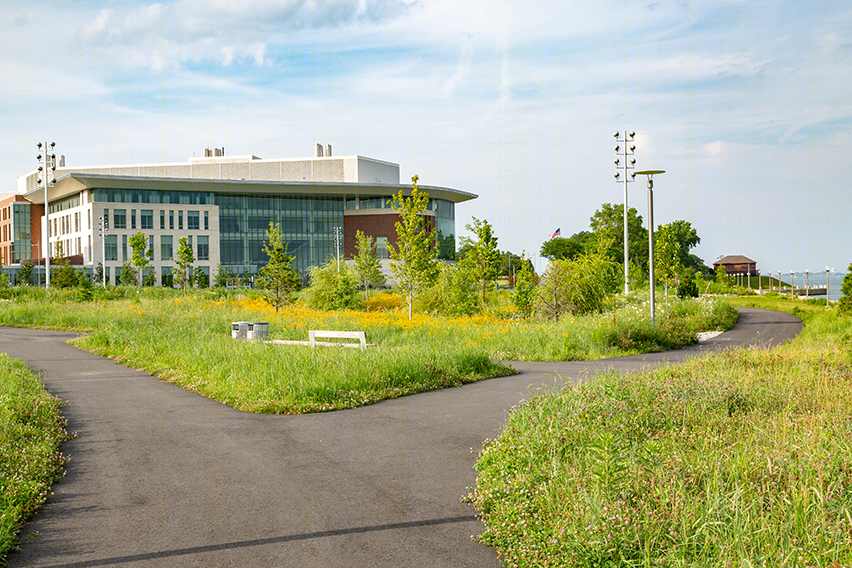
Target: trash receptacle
{"x": 257, "y": 330}
{"x": 239, "y": 329}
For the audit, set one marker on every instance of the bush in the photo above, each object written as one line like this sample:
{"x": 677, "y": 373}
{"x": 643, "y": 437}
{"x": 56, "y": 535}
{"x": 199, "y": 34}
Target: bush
{"x": 332, "y": 287}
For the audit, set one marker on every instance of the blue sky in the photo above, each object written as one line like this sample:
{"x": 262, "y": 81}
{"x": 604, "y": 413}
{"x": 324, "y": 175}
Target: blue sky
{"x": 747, "y": 105}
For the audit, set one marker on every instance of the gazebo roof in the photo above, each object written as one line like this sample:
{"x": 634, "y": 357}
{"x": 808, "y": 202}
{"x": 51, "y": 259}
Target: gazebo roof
{"x": 734, "y": 259}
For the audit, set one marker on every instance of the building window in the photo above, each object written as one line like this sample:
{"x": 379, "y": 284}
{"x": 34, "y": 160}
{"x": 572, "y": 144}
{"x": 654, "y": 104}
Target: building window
{"x": 162, "y": 219}
{"x": 133, "y": 218}
{"x": 77, "y": 222}
{"x": 111, "y": 247}
{"x": 180, "y": 220}
{"x": 147, "y": 219}
{"x": 150, "y": 251}
{"x": 171, "y": 220}
{"x": 192, "y": 220}
{"x": 124, "y": 247}
{"x": 382, "y": 247}
{"x": 165, "y": 248}
{"x": 203, "y": 248}
{"x": 119, "y": 219}
{"x": 206, "y": 221}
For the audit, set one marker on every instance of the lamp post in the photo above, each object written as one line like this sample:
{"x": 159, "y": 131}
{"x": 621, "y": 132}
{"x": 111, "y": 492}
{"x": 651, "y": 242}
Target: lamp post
{"x": 827, "y": 300}
{"x": 46, "y": 168}
{"x": 792, "y": 286}
{"x": 337, "y": 235}
{"x": 625, "y": 152}
{"x": 807, "y": 286}
{"x": 759, "y": 284}
{"x": 650, "y": 174}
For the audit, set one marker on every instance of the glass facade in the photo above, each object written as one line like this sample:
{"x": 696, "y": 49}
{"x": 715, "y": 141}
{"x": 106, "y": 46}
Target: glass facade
{"x": 21, "y": 233}
{"x": 112, "y": 195}
{"x": 307, "y": 224}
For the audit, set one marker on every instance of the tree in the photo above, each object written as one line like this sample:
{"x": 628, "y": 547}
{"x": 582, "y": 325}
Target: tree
{"x": 845, "y": 304}
{"x": 608, "y": 223}
{"x": 223, "y": 276}
{"x": 278, "y": 276}
{"x": 413, "y": 260}
{"x": 367, "y": 264}
{"x": 128, "y": 273}
{"x": 99, "y": 273}
{"x": 566, "y": 248}
{"x": 482, "y": 260}
{"x": 183, "y": 264}
{"x": 333, "y": 287}
{"x": 140, "y": 256}
{"x": 525, "y": 291}
{"x": 62, "y": 274}
{"x": 667, "y": 255}
{"x": 25, "y": 274}
{"x": 578, "y": 286}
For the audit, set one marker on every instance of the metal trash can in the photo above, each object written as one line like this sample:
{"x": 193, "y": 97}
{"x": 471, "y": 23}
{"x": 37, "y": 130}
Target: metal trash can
{"x": 239, "y": 329}
{"x": 257, "y": 330}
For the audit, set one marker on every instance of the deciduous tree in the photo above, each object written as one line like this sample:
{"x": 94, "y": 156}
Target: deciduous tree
{"x": 482, "y": 260}
{"x": 413, "y": 259}
{"x": 367, "y": 263}
{"x": 183, "y": 264}
{"x": 141, "y": 255}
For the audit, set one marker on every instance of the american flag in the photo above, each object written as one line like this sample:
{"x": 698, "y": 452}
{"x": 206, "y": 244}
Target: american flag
{"x": 555, "y": 234}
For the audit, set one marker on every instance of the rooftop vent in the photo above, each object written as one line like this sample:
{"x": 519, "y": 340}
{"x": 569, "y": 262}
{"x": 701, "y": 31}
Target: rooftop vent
{"x": 319, "y": 151}
{"x": 214, "y": 153}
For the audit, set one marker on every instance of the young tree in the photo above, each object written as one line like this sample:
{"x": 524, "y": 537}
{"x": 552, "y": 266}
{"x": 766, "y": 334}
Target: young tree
{"x": 223, "y": 276}
{"x": 278, "y": 276}
{"x": 141, "y": 255}
{"x": 183, "y": 264}
{"x": 482, "y": 260}
{"x": 667, "y": 255}
{"x": 25, "y": 274}
{"x": 524, "y": 296}
{"x": 579, "y": 286}
{"x": 564, "y": 249}
{"x": 128, "y": 273}
{"x": 413, "y": 260}
{"x": 99, "y": 273}
{"x": 367, "y": 264}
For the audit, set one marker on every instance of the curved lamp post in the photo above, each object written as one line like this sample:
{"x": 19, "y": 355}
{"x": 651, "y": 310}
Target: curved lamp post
{"x": 650, "y": 174}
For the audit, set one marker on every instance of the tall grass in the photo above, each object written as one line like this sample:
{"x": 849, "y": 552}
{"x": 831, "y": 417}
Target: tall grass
{"x": 186, "y": 340}
{"x": 31, "y": 431}
{"x": 740, "y": 459}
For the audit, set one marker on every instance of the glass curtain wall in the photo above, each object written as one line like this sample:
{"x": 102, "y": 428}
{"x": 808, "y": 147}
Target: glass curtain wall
{"x": 307, "y": 224}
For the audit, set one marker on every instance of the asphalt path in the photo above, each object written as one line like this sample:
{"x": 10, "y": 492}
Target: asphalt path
{"x": 162, "y": 477}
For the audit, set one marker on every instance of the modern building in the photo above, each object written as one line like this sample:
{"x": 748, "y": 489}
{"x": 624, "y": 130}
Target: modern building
{"x": 736, "y": 264}
{"x": 17, "y": 239}
{"x": 224, "y": 205}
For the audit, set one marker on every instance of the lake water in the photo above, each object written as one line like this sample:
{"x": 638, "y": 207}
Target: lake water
{"x": 835, "y": 281}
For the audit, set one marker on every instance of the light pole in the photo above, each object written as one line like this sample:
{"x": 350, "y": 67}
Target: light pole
{"x": 650, "y": 174}
{"x": 827, "y": 300}
{"x": 625, "y": 152}
{"x": 46, "y": 168}
{"x": 337, "y": 231}
{"x": 807, "y": 286}
{"x": 759, "y": 284}
{"x": 792, "y": 286}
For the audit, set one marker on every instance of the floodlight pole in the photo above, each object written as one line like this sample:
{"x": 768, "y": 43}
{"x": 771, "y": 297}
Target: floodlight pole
{"x": 629, "y": 164}
{"x": 48, "y": 169}
{"x": 650, "y": 174}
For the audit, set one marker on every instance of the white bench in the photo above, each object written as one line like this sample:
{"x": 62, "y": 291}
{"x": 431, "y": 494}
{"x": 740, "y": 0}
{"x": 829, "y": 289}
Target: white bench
{"x": 361, "y": 336}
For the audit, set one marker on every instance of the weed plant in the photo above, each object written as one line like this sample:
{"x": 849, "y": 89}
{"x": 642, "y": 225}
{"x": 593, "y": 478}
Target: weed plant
{"x": 740, "y": 459}
{"x": 31, "y": 431}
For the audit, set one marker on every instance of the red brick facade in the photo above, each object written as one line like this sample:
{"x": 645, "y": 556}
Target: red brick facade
{"x": 378, "y": 225}
{"x": 6, "y": 229}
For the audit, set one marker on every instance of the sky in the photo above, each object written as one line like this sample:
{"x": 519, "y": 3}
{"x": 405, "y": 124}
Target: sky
{"x": 746, "y": 105}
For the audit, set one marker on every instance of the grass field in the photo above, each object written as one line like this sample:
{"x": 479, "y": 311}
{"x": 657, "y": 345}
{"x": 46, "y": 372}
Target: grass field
{"x": 740, "y": 459}
{"x": 186, "y": 340}
{"x": 31, "y": 431}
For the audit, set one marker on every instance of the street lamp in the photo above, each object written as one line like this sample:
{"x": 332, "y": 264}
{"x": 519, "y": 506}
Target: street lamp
{"x": 650, "y": 174}
{"x": 625, "y": 152}
{"x": 807, "y": 286}
{"x": 46, "y": 168}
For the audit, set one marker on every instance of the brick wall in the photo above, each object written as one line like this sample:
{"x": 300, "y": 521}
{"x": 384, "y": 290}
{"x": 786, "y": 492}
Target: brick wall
{"x": 380, "y": 225}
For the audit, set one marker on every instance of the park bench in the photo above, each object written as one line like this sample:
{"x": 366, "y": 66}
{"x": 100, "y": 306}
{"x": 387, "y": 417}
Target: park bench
{"x": 313, "y": 334}
{"x": 361, "y": 336}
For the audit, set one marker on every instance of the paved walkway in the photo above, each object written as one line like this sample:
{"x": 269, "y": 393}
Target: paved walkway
{"x": 162, "y": 477}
